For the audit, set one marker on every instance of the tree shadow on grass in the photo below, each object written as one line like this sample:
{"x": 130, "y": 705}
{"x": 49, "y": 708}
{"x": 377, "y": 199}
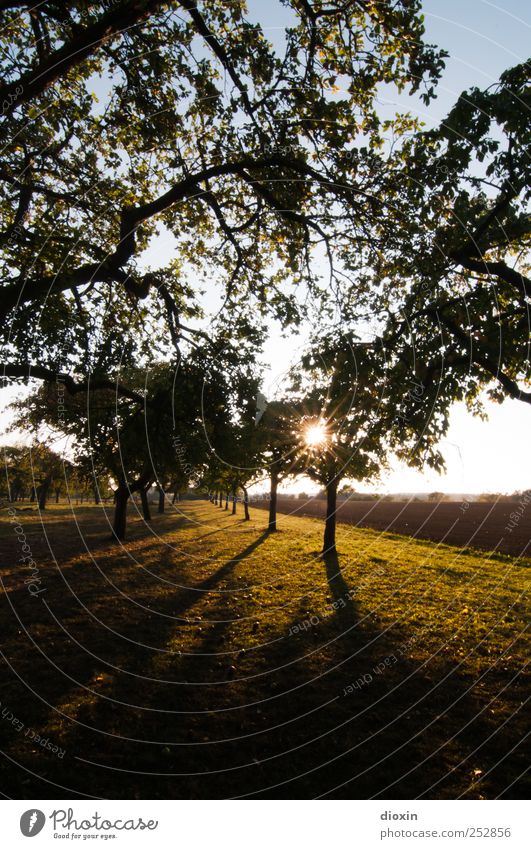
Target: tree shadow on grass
{"x": 220, "y": 530}
{"x": 68, "y": 634}
{"x": 190, "y": 594}
{"x": 297, "y": 713}
{"x": 352, "y": 714}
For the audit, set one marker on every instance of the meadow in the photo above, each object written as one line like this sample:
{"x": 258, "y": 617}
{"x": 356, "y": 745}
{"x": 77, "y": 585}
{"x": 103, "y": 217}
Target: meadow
{"x": 206, "y": 658}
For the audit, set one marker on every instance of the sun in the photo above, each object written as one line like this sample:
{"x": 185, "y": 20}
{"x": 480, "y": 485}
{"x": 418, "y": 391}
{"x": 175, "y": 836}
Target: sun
{"x": 315, "y": 434}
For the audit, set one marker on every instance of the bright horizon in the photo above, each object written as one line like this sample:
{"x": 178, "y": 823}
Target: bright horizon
{"x": 481, "y": 456}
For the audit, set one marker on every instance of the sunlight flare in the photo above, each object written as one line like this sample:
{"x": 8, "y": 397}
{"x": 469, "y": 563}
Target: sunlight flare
{"x": 315, "y": 434}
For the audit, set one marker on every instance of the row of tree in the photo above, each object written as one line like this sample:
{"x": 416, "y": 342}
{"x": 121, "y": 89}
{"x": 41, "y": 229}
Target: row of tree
{"x": 200, "y": 422}
{"x": 262, "y": 164}
{"x": 37, "y": 473}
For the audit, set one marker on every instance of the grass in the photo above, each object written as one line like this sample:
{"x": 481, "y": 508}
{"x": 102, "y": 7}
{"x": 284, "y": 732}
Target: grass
{"x": 208, "y": 659}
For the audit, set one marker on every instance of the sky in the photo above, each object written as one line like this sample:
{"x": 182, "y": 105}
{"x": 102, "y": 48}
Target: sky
{"x": 482, "y": 38}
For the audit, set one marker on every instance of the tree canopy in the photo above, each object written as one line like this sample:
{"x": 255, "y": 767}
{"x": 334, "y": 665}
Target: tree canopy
{"x": 127, "y": 119}
{"x": 167, "y": 162}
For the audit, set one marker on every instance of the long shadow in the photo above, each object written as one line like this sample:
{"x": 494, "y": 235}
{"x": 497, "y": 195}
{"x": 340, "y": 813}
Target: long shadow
{"x": 127, "y": 647}
{"x": 309, "y": 710}
{"x": 354, "y": 720}
{"x": 338, "y": 709}
{"x": 30, "y": 611}
{"x": 219, "y": 530}
{"x": 63, "y": 540}
{"x": 189, "y": 595}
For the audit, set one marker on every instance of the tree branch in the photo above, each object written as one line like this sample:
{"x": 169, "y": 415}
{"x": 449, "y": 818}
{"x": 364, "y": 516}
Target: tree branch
{"x": 217, "y": 48}
{"x": 21, "y": 290}
{"x": 498, "y": 269}
{"x": 86, "y": 41}
{"x": 73, "y": 387}
{"x": 485, "y": 362}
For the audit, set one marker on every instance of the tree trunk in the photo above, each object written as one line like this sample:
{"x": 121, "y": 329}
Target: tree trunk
{"x": 329, "y": 543}
{"x": 246, "y": 504}
{"x": 57, "y": 496}
{"x": 220, "y": 500}
{"x": 121, "y": 497}
{"x": 145, "y": 504}
{"x": 96, "y": 494}
{"x": 175, "y": 498}
{"x": 162, "y": 500}
{"x": 33, "y": 495}
{"x": 233, "y": 503}
{"x": 226, "y": 501}
{"x": 272, "y": 526}
{"x": 42, "y": 493}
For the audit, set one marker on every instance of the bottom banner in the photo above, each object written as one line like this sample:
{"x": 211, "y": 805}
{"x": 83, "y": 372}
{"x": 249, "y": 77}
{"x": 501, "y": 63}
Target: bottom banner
{"x": 261, "y": 824}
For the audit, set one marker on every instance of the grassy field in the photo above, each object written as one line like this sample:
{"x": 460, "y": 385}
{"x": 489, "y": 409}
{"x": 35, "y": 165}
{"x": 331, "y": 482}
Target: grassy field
{"x": 205, "y": 658}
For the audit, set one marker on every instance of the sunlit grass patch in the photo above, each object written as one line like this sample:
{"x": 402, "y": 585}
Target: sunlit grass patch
{"x": 205, "y": 628}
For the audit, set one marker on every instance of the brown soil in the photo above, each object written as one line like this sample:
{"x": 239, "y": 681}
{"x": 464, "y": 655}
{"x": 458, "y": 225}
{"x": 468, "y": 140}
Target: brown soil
{"x": 468, "y": 525}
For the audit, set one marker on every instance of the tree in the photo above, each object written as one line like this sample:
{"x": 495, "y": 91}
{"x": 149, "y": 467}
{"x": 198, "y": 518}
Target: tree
{"x": 347, "y": 419}
{"x": 200, "y": 128}
{"x": 280, "y": 446}
{"x": 337, "y": 425}
{"x": 109, "y": 435}
{"x": 450, "y": 282}
{"x": 436, "y": 496}
{"x": 17, "y": 469}
{"x": 163, "y": 430}
{"x": 438, "y": 291}
{"x": 236, "y": 458}
{"x": 35, "y": 467}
